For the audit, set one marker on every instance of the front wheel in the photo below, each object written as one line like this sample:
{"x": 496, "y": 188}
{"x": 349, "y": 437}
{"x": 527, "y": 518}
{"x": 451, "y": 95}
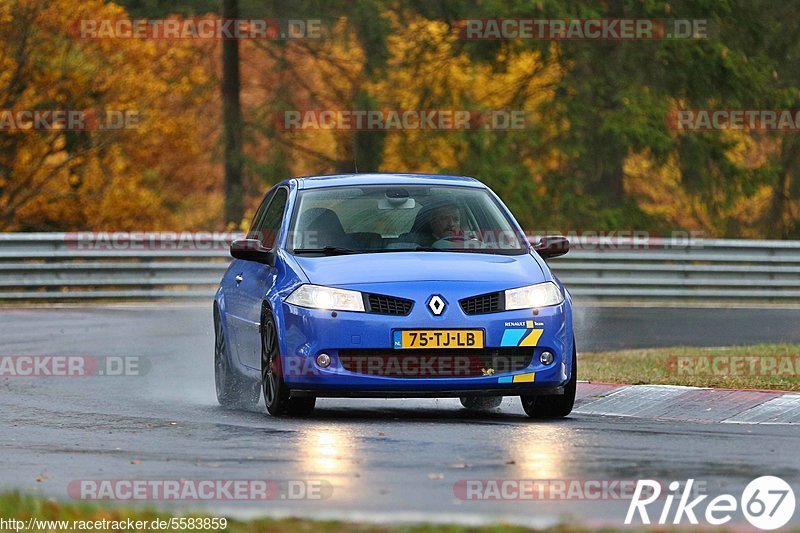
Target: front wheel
{"x": 555, "y": 405}
{"x": 277, "y": 396}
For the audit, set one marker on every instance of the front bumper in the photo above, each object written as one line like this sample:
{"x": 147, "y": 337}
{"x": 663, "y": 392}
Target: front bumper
{"x": 307, "y": 333}
{"x": 388, "y": 393}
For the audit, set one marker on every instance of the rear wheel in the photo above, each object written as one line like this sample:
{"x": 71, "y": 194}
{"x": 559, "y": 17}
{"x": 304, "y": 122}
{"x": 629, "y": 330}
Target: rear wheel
{"x": 555, "y": 405}
{"x": 481, "y": 403}
{"x": 277, "y": 396}
{"x": 234, "y": 391}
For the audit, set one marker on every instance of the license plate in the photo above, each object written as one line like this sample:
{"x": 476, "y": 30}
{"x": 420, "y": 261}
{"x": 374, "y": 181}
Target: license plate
{"x": 438, "y": 338}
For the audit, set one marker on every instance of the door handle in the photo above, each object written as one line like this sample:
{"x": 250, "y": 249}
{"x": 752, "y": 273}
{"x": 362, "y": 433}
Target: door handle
{"x": 238, "y": 278}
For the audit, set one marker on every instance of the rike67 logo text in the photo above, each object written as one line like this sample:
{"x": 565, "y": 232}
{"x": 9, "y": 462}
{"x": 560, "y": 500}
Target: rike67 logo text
{"x": 767, "y": 503}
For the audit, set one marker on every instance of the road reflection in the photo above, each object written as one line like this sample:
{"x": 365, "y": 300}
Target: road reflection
{"x": 329, "y": 453}
{"x": 543, "y": 451}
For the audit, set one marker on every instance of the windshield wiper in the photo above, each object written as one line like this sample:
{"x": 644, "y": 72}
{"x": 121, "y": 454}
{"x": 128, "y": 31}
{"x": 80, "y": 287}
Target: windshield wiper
{"x": 327, "y": 250}
{"x": 336, "y": 250}
{"x": 418, "y": 249}
{"x": 460, "y": 250}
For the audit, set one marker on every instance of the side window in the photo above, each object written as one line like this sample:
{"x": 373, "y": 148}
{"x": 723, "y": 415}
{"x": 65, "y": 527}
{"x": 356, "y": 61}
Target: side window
{"x": 251, "y": 231}
{"x": 270, "y": 224}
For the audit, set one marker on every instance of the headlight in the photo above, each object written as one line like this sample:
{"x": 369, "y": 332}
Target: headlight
{"x": 540, "y": 295}
{"x": 318, "y": 297}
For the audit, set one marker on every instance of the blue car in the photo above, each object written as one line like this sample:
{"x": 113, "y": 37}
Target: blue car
{"x": 392, "y": 285}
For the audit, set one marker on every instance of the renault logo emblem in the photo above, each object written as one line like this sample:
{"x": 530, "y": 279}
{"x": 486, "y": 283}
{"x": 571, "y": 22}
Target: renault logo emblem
{"x": 437, "y": 304}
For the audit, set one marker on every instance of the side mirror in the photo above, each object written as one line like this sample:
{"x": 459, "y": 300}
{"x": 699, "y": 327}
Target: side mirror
{"x": 252, "y": 250}
{"x": 552, "y": 246}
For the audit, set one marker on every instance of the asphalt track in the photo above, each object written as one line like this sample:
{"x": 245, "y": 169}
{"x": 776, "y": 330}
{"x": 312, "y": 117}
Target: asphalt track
{"x": 384, "y": 459}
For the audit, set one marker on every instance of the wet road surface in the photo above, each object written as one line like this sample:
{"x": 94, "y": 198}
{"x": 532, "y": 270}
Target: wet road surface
{"x": 379, "y": 459}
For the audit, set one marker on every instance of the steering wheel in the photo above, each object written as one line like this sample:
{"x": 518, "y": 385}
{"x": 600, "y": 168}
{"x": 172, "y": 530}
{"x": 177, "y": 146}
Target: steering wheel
{"x": 451, "y": 239}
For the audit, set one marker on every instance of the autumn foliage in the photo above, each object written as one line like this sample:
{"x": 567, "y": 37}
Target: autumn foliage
{"x": 595, "y": 152}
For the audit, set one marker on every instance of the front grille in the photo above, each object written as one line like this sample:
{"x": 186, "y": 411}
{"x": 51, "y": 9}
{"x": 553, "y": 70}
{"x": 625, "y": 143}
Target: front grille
{"x": 483, "y": 304}
{"x": 388, "y": 305}
{"x": 440, "y": 363}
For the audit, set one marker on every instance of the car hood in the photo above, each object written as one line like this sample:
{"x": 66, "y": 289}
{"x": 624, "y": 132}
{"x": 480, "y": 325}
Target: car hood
{"x": 397, "y": 267}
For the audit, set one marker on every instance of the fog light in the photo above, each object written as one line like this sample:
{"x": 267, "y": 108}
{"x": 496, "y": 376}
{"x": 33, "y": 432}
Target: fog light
{"x": 323, "y": 360}
{"x": 547, "y": 358}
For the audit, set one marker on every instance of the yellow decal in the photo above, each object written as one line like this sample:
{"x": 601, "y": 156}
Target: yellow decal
{"x": 532, "y": 338}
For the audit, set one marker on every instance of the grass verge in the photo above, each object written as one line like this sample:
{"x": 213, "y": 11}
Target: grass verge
{"x": 24, "y": 507}
{"x": 762, "y": 366}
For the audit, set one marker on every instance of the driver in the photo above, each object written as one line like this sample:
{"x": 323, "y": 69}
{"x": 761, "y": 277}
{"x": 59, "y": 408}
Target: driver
{"x": 439, "y": 224}
{"x": 445, "y": 222}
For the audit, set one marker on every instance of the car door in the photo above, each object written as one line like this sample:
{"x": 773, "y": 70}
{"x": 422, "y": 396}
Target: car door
{"x": 256, "y": 280}
{"x": 234, "y": 311}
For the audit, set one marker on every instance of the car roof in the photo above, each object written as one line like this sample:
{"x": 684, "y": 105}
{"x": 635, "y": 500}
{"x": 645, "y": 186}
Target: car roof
{"x": 336, "y": 180}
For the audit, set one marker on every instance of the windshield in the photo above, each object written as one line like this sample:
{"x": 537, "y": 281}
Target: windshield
{"x": 401, "y": 218}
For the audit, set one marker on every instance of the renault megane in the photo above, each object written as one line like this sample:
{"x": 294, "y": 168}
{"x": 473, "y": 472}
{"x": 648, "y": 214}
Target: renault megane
{"x": 392, "y": 285}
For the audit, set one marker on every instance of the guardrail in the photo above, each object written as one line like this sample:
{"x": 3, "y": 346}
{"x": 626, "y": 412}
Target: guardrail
{"x": 69, "y": 266}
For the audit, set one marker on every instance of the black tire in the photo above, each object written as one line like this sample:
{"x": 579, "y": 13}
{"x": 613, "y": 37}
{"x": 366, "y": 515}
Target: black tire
{"x": 556, "y": 405}
{"x": 277, "y": 396}
{"x": 234, "y": 391}
{"x": 481, "y": 403}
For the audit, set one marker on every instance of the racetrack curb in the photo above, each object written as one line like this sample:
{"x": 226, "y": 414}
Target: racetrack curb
{"x": 689, "y": 404}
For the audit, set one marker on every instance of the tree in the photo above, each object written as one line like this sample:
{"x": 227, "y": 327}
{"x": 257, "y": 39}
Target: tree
{"x": 232, "y": 122}
{"x": 148, "y": 176}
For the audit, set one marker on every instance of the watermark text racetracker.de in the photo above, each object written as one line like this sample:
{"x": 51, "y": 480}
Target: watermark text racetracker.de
{"x": 623, "y": 239}
{"x": 734, "y": 119}
{"x": 150, "y": 240}
{"x": 731, "y": 365}
{"x": 544, "y": 489}
{"x": 199, "y": 489}
{"x": 458, "y": 364}
{"x": 590, "y": 29}
{"x": 68, "y": 119}
{"x": 72, "y": 365}
{"x": 400, "y": 119}
{"x": 202, "y": 28}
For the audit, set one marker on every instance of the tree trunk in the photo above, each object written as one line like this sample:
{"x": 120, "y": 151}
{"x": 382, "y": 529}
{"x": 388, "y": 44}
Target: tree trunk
{"x": 232, "y": 122}
{"x": 781, "y": 223}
